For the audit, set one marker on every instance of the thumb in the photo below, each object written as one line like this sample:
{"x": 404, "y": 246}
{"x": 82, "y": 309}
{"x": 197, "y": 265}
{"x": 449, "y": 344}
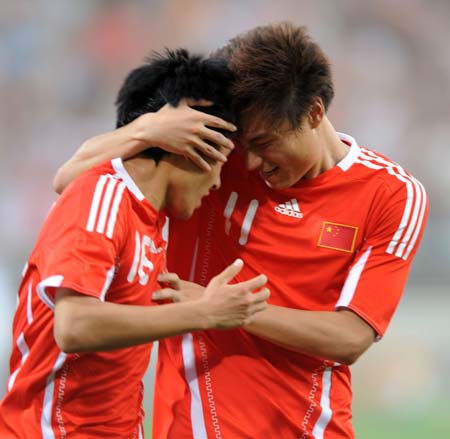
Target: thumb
{"x": 229, "y": 273}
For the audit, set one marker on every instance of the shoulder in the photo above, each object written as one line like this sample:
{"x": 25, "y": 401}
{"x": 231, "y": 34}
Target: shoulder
{"x": 383, "y": 172}
{"x": 400, "y": 205}
{"x": 97, "y": 198}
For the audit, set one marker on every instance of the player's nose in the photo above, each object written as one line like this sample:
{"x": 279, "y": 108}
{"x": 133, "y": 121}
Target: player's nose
{"x": 253, "y": 161}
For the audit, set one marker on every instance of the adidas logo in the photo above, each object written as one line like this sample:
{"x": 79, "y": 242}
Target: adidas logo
{"x": 290, "y": 208}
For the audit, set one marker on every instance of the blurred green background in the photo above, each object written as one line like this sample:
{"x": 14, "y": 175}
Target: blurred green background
{"x": 61, "y": 64}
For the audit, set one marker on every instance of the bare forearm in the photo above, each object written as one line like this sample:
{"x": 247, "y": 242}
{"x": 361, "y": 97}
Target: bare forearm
{"x": 85, "y": 324}
{"x": 123, "y": 142}
{"x": 181, "y": 130}
{"x": 104, "y": 326}
{"x": 337, "y": 336}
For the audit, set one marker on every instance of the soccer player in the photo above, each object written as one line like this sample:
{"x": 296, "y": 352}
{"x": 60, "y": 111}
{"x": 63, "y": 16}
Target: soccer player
{"x": 334, "y": 225}
{"x": 85, "y": 319}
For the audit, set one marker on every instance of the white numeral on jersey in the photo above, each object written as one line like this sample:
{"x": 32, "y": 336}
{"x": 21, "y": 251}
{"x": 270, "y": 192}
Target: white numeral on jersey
{"x": 142, "y": 266}
{"x": 248, "y": 219}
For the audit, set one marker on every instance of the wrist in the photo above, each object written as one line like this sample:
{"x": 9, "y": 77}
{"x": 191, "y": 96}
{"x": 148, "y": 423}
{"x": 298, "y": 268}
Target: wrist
{"x": 142, "y": 129}
{"x": 199, "y": 315}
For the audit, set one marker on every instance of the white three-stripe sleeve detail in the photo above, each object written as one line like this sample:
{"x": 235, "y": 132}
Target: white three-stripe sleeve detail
{"x": 416, "y": 198}
{"x": 408, "y": 205}
{"x": 197, "y": 416}
{"x": 349, "y": 288}
{"x": 412, "y": 223}
{"x": 29, "y": 303}
{"x": 24, "y": 350}
{"x": 108, "y": 280}
{"x": 47, "y": 408}
{"x": 248, "y": 220}
{"x": 115, "y": 210}
{"x": 413, "y": 240}
{"x": 105, "y": 205}
{"x": 325, "y": 415}
{"x": 407, "y": 216}
{"x": 95, "y": 203}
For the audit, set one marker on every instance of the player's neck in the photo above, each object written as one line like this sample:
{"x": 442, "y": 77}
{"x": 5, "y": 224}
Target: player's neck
{"x": 149, "y": 178}
{"x": 334, "y": 150}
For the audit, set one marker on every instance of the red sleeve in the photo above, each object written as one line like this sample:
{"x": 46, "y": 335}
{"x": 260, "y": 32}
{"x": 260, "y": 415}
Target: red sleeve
{"x": 378, "y": 276}
{"x": 80, "y": 241}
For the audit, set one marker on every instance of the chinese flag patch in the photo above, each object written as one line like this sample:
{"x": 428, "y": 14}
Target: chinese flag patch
{"x": 338, "y": 237}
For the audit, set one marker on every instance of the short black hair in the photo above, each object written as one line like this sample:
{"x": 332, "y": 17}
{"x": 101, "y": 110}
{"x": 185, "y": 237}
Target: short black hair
{"x": 279, "y": 70}
{"x": 169, "y": 77}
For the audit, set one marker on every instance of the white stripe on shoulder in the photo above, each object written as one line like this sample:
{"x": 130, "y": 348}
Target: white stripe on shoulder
{"x": 96, "y": 203}
{"x": 115, "y": 210}
{"x": 105, "y": 205}
{"x": 414, "y": 209}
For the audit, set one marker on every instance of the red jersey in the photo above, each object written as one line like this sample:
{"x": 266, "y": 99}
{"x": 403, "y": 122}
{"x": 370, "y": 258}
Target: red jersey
{"x": 102, "y": 239}
{"x": 343, "y": 239}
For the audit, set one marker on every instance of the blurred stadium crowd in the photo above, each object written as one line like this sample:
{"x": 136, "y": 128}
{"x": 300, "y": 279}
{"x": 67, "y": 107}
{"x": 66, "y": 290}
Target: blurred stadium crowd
{"x": 61, "y": 64}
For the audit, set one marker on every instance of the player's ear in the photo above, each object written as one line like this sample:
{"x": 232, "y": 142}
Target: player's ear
{"x": 316, "y": 112}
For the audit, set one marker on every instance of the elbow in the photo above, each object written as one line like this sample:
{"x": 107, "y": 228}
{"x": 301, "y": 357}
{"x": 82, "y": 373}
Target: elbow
{"x": 348, "y": 358}
{"x": 66, "y": 342}
{"x": 68, "y": 334}
{"x": 352, "y": 350}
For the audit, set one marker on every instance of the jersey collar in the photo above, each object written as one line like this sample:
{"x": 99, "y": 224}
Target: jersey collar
{"x": 122, "y": 173}
{"x": 352, "y": 154}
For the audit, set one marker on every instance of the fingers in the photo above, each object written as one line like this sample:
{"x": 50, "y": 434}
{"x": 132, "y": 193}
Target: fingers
{"x": 210, "y": 151}
{"x": 251, "y": 284}
{"x": 170, "y": 278}
{"x": 198, "y": 160}
{"x": 166, "y": 294}
{"x": 216, "y": 138}
{"x": 228, "y": 274}
{"x": 261, "y": 296}
{"x": 210, "y": 120}
{"x": 217, "y": 122}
